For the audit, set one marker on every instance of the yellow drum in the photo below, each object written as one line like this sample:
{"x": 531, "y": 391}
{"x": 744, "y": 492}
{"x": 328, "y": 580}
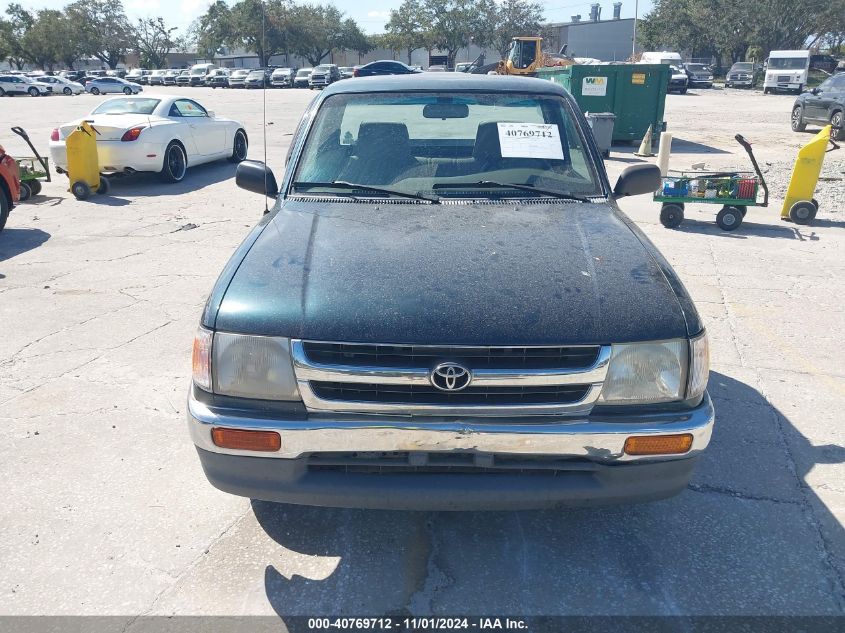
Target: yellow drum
{"x": 83, "y": 166}
{"x": 799, "y": 205}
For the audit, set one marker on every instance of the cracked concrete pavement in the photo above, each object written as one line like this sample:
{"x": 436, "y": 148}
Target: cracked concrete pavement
{"x": 106, "y": 509}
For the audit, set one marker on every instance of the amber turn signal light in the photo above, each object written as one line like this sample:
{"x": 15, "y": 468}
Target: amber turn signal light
{"x": 246, "y": 440}
{"x": 658, "y": 444}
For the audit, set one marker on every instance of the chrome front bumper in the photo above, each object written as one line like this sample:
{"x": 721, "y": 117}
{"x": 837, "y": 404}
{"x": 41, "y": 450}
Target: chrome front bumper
{"x": 596, "y": 437}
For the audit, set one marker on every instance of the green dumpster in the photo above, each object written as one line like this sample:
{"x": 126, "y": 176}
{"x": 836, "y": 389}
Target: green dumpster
{"x": 635, "y": 93}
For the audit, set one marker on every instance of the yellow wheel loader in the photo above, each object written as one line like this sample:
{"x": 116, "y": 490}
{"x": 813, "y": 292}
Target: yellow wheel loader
{"x": 525, "y": 57}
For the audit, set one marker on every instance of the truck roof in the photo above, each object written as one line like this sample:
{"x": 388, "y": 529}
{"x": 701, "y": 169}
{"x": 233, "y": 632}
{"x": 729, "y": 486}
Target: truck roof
{"x": 792, "y": 53}
{"x": 437, "y": 82}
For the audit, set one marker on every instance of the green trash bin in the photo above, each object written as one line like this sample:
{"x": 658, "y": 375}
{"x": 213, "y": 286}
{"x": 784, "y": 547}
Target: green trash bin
{"x": 635, "y": 93}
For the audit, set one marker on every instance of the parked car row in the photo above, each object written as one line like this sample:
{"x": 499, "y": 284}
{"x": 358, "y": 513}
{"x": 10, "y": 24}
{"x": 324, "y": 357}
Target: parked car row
{"x": 73, "y": 82}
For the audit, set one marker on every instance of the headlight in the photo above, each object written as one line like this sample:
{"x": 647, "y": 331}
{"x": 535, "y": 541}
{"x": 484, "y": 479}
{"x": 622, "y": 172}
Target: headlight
{"x": 253, "y": 367}
{"x": 646, "y": 373}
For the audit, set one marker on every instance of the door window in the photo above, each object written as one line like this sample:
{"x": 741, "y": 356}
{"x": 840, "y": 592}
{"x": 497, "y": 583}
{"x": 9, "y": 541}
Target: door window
{"x": 187, "y": 108}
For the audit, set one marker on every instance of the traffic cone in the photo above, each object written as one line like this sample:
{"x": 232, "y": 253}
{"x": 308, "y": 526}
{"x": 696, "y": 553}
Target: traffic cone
{"x": 645, "y": 146}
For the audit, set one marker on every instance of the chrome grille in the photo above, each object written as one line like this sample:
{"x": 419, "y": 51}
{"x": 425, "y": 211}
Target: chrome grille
{"x": 424, "y": 355}
{"x": 395, "y": 379}
{"x": 423, "y": 394}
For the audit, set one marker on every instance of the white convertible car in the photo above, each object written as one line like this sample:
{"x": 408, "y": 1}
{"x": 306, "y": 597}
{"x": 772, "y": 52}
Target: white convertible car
{"x": 163, "y": 134}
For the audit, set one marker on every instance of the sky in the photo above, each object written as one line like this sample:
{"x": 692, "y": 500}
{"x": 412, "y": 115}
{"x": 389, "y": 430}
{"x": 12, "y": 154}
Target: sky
{"x": 370, "y": 15}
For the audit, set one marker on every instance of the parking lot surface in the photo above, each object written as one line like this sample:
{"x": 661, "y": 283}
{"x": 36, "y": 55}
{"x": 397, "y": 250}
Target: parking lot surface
{"x": 106, "y": 509}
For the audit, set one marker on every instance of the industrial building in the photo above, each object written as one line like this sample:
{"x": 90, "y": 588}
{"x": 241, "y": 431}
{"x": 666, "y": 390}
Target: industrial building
{"x": 607, "y": 40}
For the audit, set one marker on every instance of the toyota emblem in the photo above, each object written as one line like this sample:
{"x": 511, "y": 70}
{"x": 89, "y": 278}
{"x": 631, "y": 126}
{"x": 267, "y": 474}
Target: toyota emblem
{"x": 450, "y": 377}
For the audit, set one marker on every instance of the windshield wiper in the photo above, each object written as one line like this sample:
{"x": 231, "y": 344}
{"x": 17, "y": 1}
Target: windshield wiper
{"x": 343, "y": 184}
{"x": 510, "y": 185}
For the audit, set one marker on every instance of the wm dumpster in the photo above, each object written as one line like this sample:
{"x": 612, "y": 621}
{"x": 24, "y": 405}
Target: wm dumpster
{"x": 635, "y": 93}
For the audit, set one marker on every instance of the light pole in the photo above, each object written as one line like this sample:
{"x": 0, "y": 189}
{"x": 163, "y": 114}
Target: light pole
{"x": 636, "y": 15}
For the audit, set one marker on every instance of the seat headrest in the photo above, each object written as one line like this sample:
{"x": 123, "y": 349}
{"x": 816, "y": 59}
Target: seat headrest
{"x": 379, "y": 139}
{"x": 487, "y": 146}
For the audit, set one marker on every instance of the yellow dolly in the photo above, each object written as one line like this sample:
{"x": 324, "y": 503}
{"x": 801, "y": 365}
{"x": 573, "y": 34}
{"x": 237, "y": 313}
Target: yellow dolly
{"x": 83, "y": 165}
{"x": 799, "y": 205}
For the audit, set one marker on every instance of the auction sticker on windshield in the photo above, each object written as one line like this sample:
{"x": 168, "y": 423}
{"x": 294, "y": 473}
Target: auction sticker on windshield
{"x": 530, "y": 140}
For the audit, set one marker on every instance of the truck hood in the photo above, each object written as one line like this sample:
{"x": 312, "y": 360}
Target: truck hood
{"x": 483, "y": 274}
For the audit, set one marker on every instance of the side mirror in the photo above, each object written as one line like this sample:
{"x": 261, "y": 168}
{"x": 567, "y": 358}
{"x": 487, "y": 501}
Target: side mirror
{"x": 816, "y": 91}
{"x": 210, "y": 113}
{"x": 637, "y": 180}
{"x": 255, "y": 176}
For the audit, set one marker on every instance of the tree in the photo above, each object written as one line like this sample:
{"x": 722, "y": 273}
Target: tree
{"x": 260, "y": 27}
{"x": 104, "y": 29}
{"x": 672, "y": 25}
{"x": 255, "y": 27}
{"x": 318, "y": 30}
{"x": 210, "y": 31}
{"x": 388, "y": 42}
{"x": 453, "y": 24}
{"x": 154, "y": 40}
{"x": 69, "y": 45}
{"x": 42, "y": 41}
{"x": 506, "y": 19}
{"x": 4, "y": 47}
{"x": 354, "y": 39}
{"x": 406, "y": 28}
{"x": 13, "y": 31}
{"x": 730, "y": 28}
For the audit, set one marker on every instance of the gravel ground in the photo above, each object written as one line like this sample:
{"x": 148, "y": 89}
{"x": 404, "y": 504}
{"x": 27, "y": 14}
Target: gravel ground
{"x": 106, "y": 509}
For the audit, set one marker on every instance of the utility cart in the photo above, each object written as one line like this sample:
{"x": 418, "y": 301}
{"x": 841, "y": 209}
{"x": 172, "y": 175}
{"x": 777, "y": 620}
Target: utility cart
{"x": 735, "y": 191}
{"x": 32, "y": 168}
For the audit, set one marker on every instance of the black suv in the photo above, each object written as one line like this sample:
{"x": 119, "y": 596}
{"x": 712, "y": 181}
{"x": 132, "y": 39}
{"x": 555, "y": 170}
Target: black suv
{"x": 822, "y": 105}
{"x": 445, "y": 308}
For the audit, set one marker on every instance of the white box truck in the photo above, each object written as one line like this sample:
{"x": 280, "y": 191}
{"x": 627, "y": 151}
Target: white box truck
{"x": 787, "y": 70}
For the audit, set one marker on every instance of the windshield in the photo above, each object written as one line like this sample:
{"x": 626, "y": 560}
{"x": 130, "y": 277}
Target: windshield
{"x": 788, "y": 63}
{"x": 523, "y": 53}
{"x": 256, "y": 73}
{"x": 696, "y": 67}
{"x": 304, "y": 72}
{"x": 199, "y": 71}
{"x": 432, "y": 143}
{"x": 137, "y": 105}
{"x": 747, "y": 67}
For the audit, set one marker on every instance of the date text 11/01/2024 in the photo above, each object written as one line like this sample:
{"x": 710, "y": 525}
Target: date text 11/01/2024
{"x": 417, "y": 624}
